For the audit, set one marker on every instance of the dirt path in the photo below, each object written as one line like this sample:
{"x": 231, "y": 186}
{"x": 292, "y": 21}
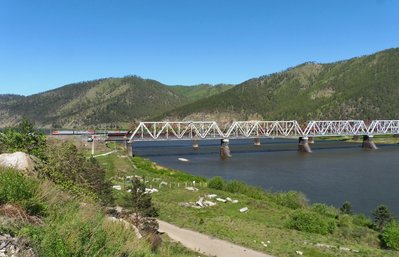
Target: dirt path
{"x": 206, "y": 244}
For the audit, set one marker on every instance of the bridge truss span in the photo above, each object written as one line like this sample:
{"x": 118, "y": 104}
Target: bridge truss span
{"x": 199, "y": 130}
{"x": 253, "y": 129}
{"x": 184, "y": 130}
{"x": 336, "y": 128}
{"x": 381, "y": 127}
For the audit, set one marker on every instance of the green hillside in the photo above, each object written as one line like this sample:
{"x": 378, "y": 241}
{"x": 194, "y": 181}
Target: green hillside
{"x": 107, "y": 103}
{"x": 359, "y": 88}
{"x": 198, "y": 92}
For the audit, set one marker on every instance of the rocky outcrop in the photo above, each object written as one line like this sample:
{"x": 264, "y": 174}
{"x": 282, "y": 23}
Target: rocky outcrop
{"x": 18, "y": 160}
{"x": 17, "y": 247}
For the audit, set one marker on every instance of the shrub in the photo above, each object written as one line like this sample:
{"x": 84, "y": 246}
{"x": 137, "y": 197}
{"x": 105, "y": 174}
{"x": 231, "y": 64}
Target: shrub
{"x": 140, "y": 201}
{"x": 362, "y": 220}
{"x": 346, "y": 208}
{"x": 324, "y": 210}
{"x": 345, "y": 221}
{"x": 382, "y": 216}
{"x": 17, "y": 189}
{"x": 292, "y": 199}
{"x": 75, "y": 231}
{"x": 310, "y": 222}
{"x": 24, "y": 138}
{"x": 216, "y": 183}
{"x": 68, "y": 167}
{"x": 390, "y": 235}
{"x": 236, "y": 186}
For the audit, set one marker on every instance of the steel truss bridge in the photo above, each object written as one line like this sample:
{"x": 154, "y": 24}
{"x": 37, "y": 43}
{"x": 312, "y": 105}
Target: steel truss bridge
{"x": 200, "y": 130}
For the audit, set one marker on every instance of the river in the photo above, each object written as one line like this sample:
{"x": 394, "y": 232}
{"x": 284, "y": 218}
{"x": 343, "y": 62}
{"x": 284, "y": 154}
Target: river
{"x": 335, "y": 172}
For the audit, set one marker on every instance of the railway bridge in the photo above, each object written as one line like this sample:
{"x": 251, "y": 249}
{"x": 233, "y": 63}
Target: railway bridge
{"x": 305, "y": 132}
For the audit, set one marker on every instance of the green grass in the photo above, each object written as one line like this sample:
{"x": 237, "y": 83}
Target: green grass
{"x": 268, "y": 217}
{"x": 72, "y": 226}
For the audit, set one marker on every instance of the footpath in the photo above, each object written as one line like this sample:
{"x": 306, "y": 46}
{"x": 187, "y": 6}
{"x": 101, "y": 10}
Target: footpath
{"x": 206, "y": 244}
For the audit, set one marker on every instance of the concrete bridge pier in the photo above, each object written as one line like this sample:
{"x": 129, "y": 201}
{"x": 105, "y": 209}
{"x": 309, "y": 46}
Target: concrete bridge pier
{"x": 224, "y": 149}
{"x": 303, "y": 145}
{"x": 368, "y": 142}
{"x": 257, "y": 141}
{"x": 195, "y": 144}
{"x": 129, "y": 147}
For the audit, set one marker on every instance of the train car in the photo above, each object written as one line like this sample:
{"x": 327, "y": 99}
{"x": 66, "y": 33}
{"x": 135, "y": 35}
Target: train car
{"x": 62, "y": 132}
{"x": 116, "y": 133}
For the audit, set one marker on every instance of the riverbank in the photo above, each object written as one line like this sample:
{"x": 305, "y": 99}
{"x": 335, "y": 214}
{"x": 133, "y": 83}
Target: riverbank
{"x": 271, "y": 224}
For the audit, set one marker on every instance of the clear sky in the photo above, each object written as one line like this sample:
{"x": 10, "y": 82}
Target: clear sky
{"x": 47, "y": 44}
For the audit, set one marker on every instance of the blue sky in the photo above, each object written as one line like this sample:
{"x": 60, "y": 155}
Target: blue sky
{"x": 47, "y": 44}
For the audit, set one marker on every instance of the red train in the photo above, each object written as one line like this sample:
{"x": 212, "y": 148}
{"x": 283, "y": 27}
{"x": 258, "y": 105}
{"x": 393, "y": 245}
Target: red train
{"x": 110, "y": 133}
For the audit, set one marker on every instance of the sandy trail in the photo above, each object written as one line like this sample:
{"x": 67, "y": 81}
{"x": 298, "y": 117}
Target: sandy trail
{"x": 206, "y": 244}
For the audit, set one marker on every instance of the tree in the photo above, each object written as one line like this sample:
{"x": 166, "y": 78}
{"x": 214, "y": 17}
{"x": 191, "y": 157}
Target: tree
{"x": 140, "y": 201}
{"x": 24, "y": 138}
{"x": 346, "y": 208}
{"x": 67, "y": 166}
{"x": 382, "y": 216}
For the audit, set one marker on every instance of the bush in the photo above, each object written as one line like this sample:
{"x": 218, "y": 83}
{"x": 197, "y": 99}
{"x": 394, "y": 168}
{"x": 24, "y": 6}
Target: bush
{"x": 292, "y": 199}
{"x": 362, "y": 220}
{"x": 390, "y": 235}
{"x": 75, "y": 231}
{"x": 24, "y": 138}
{"x": 68, "y": 167}
{"x": 140, "y": 201}
{"x": 382, "y": 216}
{"x": 310, "y": 222}
{"x": 15, "y": 188}
{"x": 216, "y": 183}
{"x": 346, "y": 208}
{"x": 345, "y": 221}
{"x": 236, "y": 186}
{"x": 324, "y": 210}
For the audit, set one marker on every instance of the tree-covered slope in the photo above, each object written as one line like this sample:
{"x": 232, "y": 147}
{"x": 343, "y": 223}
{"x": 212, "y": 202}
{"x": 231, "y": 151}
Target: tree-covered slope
{"x": 197, "y": 92}
{"x": 359, "y": 88}
{"x": 100, "y": 103}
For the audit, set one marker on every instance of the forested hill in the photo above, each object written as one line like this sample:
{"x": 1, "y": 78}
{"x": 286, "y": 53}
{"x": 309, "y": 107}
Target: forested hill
{"x": 359, "y": 88}
{"x": 104, "y": 103}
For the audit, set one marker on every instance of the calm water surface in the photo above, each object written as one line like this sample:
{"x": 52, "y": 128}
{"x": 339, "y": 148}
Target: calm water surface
{"x": 335, "y": 172}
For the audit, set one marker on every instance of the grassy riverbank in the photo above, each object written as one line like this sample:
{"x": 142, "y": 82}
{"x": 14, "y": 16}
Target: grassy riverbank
{"x": 276, "y": 223}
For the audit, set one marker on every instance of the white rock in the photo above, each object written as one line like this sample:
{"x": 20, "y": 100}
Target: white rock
{"x": 192, "y": 188}
{"x": 117, "y": 187}
{"x": 299, "y": 252}
{"x": 229, "y": 199}
{"x": 151, "y": 190}
{"x": 221, "y": 200}
{"x": 344, "y": 248}
{"x": 18, "y": 160}
{"x": 211, "y": 196}
{"x": 209, "y": 203}
{"x": 234, "y": 201}
{"x": 245, "y": 209}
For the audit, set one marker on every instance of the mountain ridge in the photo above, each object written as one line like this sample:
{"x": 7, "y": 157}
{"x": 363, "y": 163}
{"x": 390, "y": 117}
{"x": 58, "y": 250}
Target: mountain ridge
{"x": 357, "y": 88}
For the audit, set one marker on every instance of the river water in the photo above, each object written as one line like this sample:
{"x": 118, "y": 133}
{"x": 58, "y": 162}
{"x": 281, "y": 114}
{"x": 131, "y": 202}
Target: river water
{"x": 335, "y": 172}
